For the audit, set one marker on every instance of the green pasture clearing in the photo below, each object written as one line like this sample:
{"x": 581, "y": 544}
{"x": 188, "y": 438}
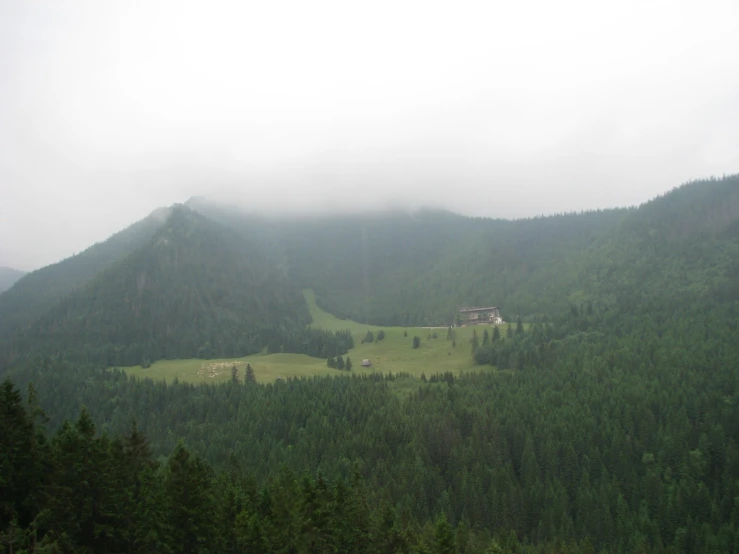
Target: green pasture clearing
{"x": 267, "y": 368}
{"x": 394, "y": 354}
{"x": 325, "y": 320}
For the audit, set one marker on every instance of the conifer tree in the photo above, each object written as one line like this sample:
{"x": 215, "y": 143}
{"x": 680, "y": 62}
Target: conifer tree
{"x": 444, "y": 540}
{"x": 249, "y": 377}
{"x": 190, "y": 505}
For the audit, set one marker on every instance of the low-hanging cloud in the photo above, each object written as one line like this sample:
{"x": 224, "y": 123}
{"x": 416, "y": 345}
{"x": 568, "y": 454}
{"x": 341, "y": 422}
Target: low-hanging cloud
{"x": 110, "y": 109}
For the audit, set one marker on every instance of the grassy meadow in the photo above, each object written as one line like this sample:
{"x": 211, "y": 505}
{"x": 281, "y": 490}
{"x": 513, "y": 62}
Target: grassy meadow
{"x": 394, "y": 354}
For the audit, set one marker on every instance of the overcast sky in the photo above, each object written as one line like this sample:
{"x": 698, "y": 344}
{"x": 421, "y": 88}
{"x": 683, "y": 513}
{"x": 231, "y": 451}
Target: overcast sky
{"x": 110, "y": 109}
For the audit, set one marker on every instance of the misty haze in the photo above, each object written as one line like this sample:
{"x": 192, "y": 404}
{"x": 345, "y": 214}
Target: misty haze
{"x": 398, "y": 277}
{"x": 109, "y": 110}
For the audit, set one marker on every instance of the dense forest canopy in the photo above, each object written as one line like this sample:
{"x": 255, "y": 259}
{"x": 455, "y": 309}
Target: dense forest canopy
{"x": 613, "y": 430}
{"x": 610, "y": 425}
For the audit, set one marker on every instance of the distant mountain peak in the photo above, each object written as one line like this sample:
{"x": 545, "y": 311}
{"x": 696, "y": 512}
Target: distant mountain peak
{"x": 9, "y": 276}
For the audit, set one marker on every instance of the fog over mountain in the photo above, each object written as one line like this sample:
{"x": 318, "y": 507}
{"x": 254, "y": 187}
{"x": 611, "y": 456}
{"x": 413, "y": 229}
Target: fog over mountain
{"x": 109, "y": 110}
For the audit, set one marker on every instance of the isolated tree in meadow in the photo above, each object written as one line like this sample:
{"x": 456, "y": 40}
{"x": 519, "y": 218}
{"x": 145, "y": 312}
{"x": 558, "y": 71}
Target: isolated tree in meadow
{"x": 250, "y": 377}
{"x": 485, "y": 338}
{"x": 380, "y": 334}
{"x": 405, "y": 332}
{"x": 234, "y": 375}
{"x": 340, "y": 363}
{"x": 369, "y": 337}
{"x": 348, "y": 364}
{"x": 416, "y": 342}
{"x": 330, "y": 362}
{"x": 496, "y": 334}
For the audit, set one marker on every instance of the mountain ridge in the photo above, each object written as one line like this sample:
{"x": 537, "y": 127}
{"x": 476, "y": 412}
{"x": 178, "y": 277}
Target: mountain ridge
{"x": 9, "y": 276}
{"x": 38, "y": 291}
{"x": 187, "y": 292}
{"x": 390, "y": 268}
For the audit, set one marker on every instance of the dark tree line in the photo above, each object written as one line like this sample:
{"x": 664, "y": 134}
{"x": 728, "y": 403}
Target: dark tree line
{"x": 80, "y": 491}
{"x": 314, "y": 342}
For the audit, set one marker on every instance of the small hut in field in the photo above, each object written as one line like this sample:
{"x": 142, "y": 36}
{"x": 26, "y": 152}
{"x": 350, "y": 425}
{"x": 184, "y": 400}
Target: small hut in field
{"x": 366, "y": 363}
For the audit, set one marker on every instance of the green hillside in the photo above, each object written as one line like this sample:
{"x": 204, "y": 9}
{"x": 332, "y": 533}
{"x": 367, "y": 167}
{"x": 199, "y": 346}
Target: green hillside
{"x": 393, "y": 354}
{"x": 397, "y": 268}
{"x": 194, "y": 289}
{"x": 39, "y": 291}
{"x": 214, "y": 282}
{"x": 606, "y": 424}
{"x": 683, "y": 245}
{"x": 267, "y": 368}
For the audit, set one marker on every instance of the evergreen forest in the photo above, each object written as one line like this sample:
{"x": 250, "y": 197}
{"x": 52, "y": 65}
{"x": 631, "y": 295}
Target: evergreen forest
{"x": 603, "y": 420}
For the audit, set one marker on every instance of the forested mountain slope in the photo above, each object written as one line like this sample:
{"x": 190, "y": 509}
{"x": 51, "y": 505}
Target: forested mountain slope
{"x": 39, "y": 291}
{"x": 680, "y": 246}
{"x": 398, "y": 268}
{"x": 194, "y": 289}
{"x": 401, "y": 269}
{"x": 610, "y": 427}
{"x": 8, "y": 277}
{"x": 217, "y": 282}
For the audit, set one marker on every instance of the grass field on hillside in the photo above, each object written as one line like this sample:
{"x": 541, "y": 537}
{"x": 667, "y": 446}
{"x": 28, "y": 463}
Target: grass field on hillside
{"x": 267, "y": 368}
{"x": 325, "y": 320}
{"x": 393, "y": 354}
{"x": 396, "y": 353}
